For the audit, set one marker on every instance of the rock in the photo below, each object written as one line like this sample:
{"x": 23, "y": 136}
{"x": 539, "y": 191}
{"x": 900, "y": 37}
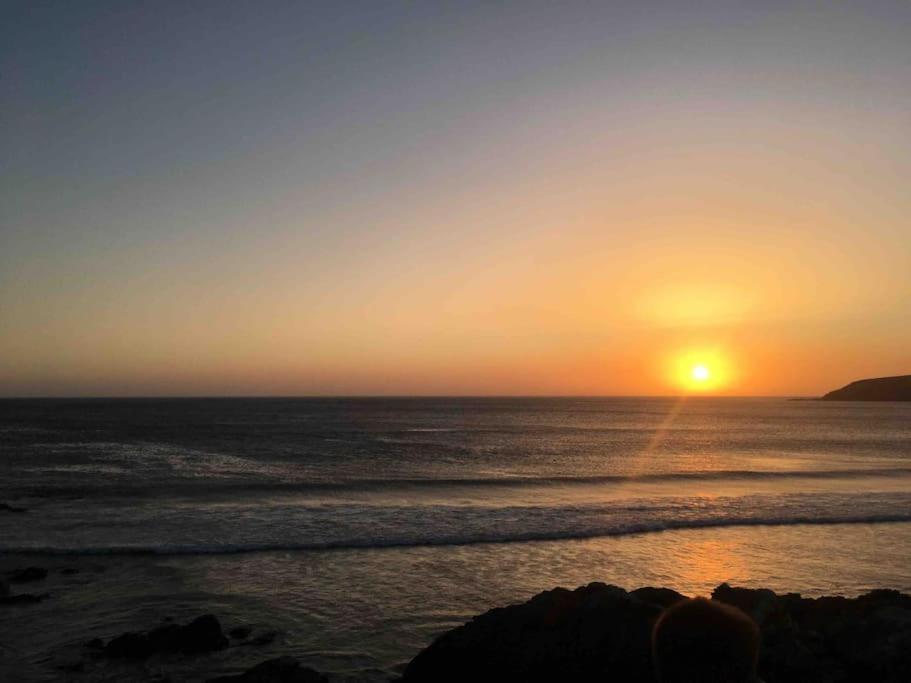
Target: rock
{"x": 95, "y": 644}
{"x": 761, "y": 604}
{"x": 166, "y": 638}
{"x": 4, "y": 588}
{"x": 6, "y": 507}
{"x": 663, "y": 597}
{"x": 23, "y": 599}
{"x": 129, "y": 645}
{"x": 279, "y": 670}
{"x": 601, "y": 633}
{"x": 27, "y": 574}
{"x": 203, "y": 634}
{"x": 594, "y": 633}
{"x": 240, "y": 632}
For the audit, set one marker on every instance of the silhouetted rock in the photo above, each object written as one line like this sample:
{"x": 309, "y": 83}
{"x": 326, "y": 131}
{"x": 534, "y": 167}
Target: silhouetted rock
{"x": 27, "y": 574}
{"x": 203, "y": 634}
{"x": 761, "y": 604}
{"x": 22, "y": 599}
{"x": 240, "y": 632}
{"x": 4, "y": 588}
{"x": 664, "y": 597}
{"x": 95, "y": 644}
{"x": 596, "y": 632}
{"x": 602, "y": 633}
{"x": 6, "y": 507}
{"x": 129, "y": 645}
{"x": 279, "y": 670}
{"x": 877, "y": 389}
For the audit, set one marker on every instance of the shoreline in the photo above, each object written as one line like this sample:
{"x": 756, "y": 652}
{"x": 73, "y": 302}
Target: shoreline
{"x": 560, "y": 634}
{"x": 363, "y": 615}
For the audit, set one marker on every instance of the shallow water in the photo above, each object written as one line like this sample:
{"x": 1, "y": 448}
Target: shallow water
{"x": 359, "y": 529}
{"x": 362, "y": 613}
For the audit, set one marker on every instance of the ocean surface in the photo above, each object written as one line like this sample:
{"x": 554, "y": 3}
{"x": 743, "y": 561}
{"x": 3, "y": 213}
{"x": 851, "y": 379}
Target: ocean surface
{"x": 358, "y": 529}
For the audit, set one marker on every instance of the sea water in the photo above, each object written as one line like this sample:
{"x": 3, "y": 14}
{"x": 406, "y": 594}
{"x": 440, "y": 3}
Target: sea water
{"x": 358, "y": 529}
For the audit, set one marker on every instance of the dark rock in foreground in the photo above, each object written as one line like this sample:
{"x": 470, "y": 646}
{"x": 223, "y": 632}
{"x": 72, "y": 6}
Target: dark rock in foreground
{"x": 596, "y": 632}
{"x": 22, "y": 598}
{"x": 7, "y": 598}
{"x": 877, "y": 389}
{"x": 27, "y": 574}
{"x": 279, "y": 670}
{"x": 602, "y": 633}
{"x": 6, "y": 507}
{"x": 203, "y": 634}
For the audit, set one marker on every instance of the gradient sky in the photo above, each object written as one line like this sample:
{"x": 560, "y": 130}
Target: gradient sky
{"x": 452, "y": 198}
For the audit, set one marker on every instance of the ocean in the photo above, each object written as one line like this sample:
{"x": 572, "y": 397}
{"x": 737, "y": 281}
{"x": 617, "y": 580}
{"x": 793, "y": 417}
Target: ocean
{"x": 356, "y": 530}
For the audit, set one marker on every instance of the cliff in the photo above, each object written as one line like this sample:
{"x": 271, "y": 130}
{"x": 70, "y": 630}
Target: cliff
{"x": 877, "y": 389}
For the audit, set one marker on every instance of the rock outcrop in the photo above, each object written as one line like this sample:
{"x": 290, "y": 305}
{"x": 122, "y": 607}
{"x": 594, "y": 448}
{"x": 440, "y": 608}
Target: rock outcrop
{"x": 8, "y": 598}
{"x": 877, "y": 389}
{"x": 278, "y": 670}
{"x": 22, "y": 599}
{"x": 27, "y": 574}
{"x": 170, "y": 642}
{"x": 594, "y": 633}
{"x": 203, "y": 634}
{"x": 602, "y": 633}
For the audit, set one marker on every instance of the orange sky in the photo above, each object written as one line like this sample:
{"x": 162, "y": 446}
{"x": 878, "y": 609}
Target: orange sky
{"x": 581, "y": 206}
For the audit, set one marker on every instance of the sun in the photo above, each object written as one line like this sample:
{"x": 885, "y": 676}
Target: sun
{"x": 700, "y": 373}
{"x": 705, "y": 369}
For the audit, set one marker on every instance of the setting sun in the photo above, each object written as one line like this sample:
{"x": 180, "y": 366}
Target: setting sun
{"x": 700, "y": 373}
{"x": 701, "y": 369}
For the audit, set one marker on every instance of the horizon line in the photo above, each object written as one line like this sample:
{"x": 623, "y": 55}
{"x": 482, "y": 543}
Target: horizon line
{"x": 88, "y": 397}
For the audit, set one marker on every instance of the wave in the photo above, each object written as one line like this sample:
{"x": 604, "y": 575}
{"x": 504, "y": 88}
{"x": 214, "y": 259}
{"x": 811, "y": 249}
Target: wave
{"x": 241, "y": 485}
{"x": 461, "y": 540}
{"x": 519, "y": 481}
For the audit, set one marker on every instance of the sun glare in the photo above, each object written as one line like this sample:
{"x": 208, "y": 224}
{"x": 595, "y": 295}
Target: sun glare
{"x": 700, "y": 370}
{"x": 700, "y": 373}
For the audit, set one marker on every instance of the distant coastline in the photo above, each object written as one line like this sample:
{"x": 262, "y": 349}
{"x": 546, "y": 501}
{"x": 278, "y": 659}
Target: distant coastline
{"x": 896, "y": 388}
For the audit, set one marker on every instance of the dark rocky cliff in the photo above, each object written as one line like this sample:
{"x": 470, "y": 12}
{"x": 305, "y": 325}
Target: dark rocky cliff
{"x": 877, "y": 389}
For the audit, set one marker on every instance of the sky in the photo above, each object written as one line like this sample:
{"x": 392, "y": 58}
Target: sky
{"x": 307, "y": 198}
